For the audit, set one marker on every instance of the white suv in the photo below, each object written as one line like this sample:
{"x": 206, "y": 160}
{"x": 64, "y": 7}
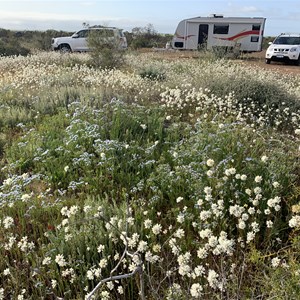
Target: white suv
{"x": 286, "y": 48}
{"x": 78, "y": 41}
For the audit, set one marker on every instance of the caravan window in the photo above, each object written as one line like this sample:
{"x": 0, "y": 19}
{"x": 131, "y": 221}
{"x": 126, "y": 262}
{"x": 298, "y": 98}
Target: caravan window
{"x": 221, "y": 28}
{"x": 256, "y": 27}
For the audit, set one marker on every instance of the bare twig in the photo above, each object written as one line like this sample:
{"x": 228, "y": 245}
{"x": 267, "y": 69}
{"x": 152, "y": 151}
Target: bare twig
{"x": 138, "y": 269}
{"x": 112, "y": 278}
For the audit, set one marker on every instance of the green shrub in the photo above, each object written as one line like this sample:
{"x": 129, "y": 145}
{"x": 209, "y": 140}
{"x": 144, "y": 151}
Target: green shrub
{"x": 152, "y": 74}
{"x": 105, "y": 49}
{"x": 12, "y": 49}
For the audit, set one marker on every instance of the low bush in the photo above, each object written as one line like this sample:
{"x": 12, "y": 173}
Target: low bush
{"x": 106, "y": 51}
{"x": 12, "y": 49}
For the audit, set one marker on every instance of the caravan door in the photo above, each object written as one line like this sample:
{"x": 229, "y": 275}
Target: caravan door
{"x": 202, "y": 36}
{"x": 196, "y": 35}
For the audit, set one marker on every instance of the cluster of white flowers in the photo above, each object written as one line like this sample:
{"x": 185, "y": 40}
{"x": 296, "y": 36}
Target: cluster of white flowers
{"x": 174, "y": 291}
{"x": 196, "y": 290}
{"x": 46, "y": 261}
{"x": 294, "y": 222}
{"x": 156, "y": 229}
{"x": 183, "y": 262}
{"x": 8, "y": 222}
{"x": 24, "y": 245}
{"x": 60, "y": 260}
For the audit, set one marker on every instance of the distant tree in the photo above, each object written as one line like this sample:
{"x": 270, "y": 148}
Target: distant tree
{"x": 106, "y": 51}
{"x": 146, "y": 37}
{"x": 12, "y": 48}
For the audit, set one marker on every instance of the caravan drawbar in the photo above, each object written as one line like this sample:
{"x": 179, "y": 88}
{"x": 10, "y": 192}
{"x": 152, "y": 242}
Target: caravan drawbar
{"x": 214, "y": 31}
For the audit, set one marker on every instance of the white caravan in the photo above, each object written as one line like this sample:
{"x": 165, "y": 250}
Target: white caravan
{"x": 216, "y": 31}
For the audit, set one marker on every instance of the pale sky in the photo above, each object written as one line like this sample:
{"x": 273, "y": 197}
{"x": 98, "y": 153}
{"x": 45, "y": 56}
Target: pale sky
{"x": 69, "y": 15}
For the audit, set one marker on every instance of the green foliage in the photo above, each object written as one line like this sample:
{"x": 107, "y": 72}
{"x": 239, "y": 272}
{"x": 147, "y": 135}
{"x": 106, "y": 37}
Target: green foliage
{"x": 152, "y": 74}
{"x": 25, "y": 42}
{"x": 105, "y": 49}
{"x": 13, "y": 48}
{"x": 146, "y": 37}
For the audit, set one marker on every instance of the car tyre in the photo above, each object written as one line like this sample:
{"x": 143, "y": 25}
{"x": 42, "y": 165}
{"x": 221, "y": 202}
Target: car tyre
{"x": 65, "y": 48}
{"x": 268, "y": 61}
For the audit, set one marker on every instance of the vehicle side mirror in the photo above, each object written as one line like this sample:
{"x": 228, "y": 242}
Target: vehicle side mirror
{"x": 75, "y": 36}
{"x": 270, "y": 43}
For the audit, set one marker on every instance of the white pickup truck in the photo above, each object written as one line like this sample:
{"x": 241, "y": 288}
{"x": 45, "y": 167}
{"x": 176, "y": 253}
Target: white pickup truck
{"x": 285, "y": 48}
{"x": 78, "y": 41}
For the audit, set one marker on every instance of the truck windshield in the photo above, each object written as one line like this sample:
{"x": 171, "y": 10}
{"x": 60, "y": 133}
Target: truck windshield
{"x": 287, "y": 40}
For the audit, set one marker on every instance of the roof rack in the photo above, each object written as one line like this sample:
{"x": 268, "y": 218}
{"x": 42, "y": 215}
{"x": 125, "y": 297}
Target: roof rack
{"x": 216, "y": 16}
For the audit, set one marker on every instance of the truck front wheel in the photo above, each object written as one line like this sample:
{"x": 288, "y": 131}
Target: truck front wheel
{"x": 65, "y": 48}
{"x": 268, "y": 61}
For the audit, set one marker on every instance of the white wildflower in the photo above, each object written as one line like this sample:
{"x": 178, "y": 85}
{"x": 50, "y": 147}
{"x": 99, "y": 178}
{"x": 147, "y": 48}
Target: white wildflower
{"x": 65, "y": 211}
{"x": 202, "y": 253}
{"x": 180, "y": 218}
{"x": 120, "y": 290}
{"x": 294, "y": 221}
{"x": 156, "y": 229}
{"x": 258, "y": 179}
{"x": 143, "y": 246}
{"x": 156, "y": 248}
{"x": 250, "y": 236}
{"x": 276, "y": 184}
{"x": 179, "y": 233}
{"x": 207, "y": 190}
{"x": 275, "y": 262}
{"x": 25, "y": 197}
{"x": 6, "y": 272}
{"x": 8, "y": 222}
{"x": 73, "y": 210}
{"x": 196, "y": 290}
{"x": 100, "y": 248}
{"x": 46, "y": 260}
{"x": 60, "y": 260}
{"x": 179, "y": 199}
{"x": 212, "y": 279}
{"x": 243, "y": 177}
{"x": 210, "y": 162}
{"x": 105, "y": 295}
{"x": 209, "y": 173}
{"x": 242, "y": 224}
{"x": 110, "y": 285}
{"x": 103, "y": 263}
{"x": 148, "y": 223}
{"x": 53, "y": 283}
{"x": 248, "y": 192}
{"x": 257, "y": 190}
{"x": 205, "y": 214}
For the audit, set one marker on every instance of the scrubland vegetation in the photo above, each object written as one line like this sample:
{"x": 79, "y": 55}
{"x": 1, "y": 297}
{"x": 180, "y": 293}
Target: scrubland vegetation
{"x": 183, "y": 171}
